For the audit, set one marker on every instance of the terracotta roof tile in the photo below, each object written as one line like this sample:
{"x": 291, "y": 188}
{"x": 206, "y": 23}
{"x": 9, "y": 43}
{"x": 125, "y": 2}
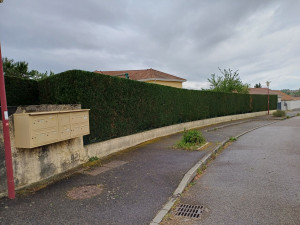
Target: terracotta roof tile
{"x": 147, "y": 74}
{"x": 264, "y": 91}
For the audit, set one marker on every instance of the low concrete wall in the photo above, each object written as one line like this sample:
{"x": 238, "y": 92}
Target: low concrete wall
{"x": 105, "y": 148}
{"x": 36, "y": 164}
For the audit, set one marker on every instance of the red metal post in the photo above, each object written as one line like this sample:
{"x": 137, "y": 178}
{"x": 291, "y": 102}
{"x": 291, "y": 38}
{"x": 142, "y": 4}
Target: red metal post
{"x": 268, "y": 102}
{"x": 7, "y": 147}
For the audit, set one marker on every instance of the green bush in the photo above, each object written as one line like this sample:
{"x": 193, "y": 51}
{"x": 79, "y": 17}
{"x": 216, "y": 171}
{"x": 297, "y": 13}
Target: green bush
{"x": 193, "y": 137}
{"x": 279, "y": 113}
{"x": 21, "y": 91}
{"x": 191, "y": 140}
{"x": 121, "y": 107}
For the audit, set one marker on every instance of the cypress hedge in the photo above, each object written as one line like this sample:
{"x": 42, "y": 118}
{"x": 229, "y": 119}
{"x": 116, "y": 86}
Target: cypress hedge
{"x": 122, "y": 107}
{"x": 21, "y": 91}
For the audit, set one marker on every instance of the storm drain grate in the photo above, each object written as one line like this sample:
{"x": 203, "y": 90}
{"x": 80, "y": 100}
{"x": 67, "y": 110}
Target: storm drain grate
{"x": 193, "y": 211}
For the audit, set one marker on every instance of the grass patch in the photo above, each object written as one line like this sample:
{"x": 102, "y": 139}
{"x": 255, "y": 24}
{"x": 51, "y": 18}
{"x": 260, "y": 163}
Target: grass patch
{"x": 191, "y": 140}
{"x": 279, "y": 113}
{"x": 93, "y": 162}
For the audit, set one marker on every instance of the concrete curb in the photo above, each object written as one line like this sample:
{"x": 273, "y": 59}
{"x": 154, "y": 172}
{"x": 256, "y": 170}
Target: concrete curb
{"x": 189, "y": 176}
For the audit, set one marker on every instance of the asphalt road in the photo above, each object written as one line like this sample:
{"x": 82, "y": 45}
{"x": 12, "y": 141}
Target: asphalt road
{"x": 131, "y": 193}
{"x": 256, "y": 180}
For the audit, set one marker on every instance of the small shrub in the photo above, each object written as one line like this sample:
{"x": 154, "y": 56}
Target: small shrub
{"x": 94, "y": 158}
{"x": 298, "y": 114}
{"x": 232, "y": 139}
{"x": 279, "y": 113}
{"x": 191, "y": 140}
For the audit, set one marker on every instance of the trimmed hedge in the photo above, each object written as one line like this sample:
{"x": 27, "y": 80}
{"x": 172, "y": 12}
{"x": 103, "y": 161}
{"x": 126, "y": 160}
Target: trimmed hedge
{"x": 21, "y": 91}
{"x": 122, "y": 107}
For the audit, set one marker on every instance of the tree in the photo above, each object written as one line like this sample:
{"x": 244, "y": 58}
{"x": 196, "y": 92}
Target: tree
{"x": 295, "y": 93}
{"x": 20, "y": 69}
{"x": 257, "y": 85}
{"x": 228, "y": 82}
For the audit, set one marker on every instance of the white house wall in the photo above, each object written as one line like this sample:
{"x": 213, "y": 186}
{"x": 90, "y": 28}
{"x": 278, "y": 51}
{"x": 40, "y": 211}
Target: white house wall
{"x": 289, "y": 105}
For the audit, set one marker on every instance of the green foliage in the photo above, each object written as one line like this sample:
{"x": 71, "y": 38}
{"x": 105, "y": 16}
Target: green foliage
{"x": 279, "y": 113}
{"x": 191, "y": 140}
{"x": 232, "y": 139}
{"x": 94, "y": 158}
{"x": 20, "y": 69}
{"x": 257, "y": 85}
{"x": 121, "y": 107}
{"x": 21, "y": 91}
{"x": 228, "y": 82}
{"x": 295, "y": 93}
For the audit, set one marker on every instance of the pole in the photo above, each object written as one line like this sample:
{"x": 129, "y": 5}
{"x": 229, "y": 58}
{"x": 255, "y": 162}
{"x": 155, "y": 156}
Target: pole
{"x": 268, "y": 101}
{"x": 268, "y": 85}
{"x": 5, "y": 124}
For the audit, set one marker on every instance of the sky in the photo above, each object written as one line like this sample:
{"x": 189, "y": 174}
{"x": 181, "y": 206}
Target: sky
{"x": 186, "y": 38}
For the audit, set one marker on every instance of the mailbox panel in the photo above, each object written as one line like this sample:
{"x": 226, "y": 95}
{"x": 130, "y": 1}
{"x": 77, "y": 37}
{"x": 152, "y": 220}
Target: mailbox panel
{"x": 44, "y": 121}
{"x": 64, "y": 118}
{"x": 44, "y": 136}
{"x": 65, "y": 132}
{"x": 79, "y": 117}
{"x": 79, "y": 129}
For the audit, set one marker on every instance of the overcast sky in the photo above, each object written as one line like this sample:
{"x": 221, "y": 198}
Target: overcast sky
{"x": 186, "y": 38}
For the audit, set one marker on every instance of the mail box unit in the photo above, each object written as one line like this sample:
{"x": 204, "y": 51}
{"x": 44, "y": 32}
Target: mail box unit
{"x": 42, "y": 128}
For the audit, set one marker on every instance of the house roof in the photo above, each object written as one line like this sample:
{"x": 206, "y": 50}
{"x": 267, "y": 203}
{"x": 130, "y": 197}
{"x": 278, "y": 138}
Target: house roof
{"x": 144, "y": 75}
{"x": 264, "y": 91}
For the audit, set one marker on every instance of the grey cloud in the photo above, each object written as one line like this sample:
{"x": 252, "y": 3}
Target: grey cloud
{"x": 187, "y": 38}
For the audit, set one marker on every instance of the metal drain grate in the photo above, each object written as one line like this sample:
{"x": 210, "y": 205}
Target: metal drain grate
{"x": 193, "y": 211}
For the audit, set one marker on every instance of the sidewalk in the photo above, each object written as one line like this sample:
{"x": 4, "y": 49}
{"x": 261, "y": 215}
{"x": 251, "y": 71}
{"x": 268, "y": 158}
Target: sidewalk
{"x": 129, "y": 188}
{"x": 254, "y": 181}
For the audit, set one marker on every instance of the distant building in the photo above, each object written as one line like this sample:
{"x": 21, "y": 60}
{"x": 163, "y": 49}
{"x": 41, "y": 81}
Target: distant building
{"x": 285, "y": 102}
{"x": 148, "y": 76}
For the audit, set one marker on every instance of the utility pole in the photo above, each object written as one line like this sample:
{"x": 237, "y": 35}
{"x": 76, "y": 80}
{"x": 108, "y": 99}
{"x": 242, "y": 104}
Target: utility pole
{"x": 7, "y": 146}
{"x": 268, "y": 85}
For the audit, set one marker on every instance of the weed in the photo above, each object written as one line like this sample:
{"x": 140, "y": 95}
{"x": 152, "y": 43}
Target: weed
{"x": 191, "y": 140}
{"x": 232, "y": 139}
{"x": 199, "y": 171}
{"x": 213, "y": 156}
{"x": 94, "y": 158}
{"x": 279, "y": 113}
{"x": 192, "y": 183}
{"x": 288, "y": 117}
{"x": 298, "y": 114}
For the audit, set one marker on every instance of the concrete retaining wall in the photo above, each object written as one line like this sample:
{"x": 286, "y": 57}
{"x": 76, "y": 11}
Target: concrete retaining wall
{"x": 37, "y": 164}
{"x": 105, "y": 148}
